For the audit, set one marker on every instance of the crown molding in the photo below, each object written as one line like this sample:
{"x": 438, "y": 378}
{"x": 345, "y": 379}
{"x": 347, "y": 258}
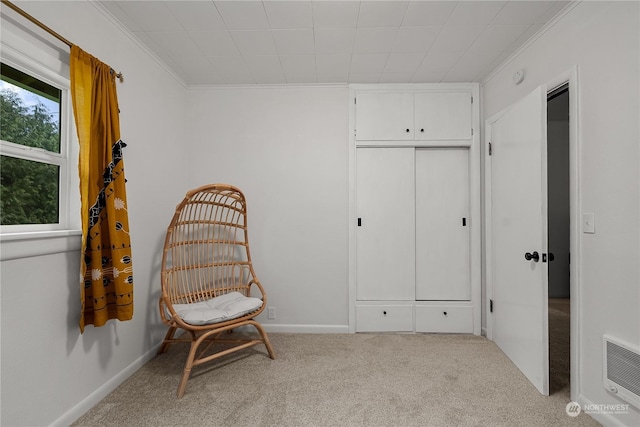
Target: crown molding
{"x": 530, "y": 41}
{"x": 116, "y": 22}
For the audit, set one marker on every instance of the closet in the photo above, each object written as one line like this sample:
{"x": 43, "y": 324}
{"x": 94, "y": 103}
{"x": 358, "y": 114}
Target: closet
{"x": 415, "y": 208}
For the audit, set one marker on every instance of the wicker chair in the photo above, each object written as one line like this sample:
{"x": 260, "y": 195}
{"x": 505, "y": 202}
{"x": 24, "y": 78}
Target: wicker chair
{"x": 207, "y": 276}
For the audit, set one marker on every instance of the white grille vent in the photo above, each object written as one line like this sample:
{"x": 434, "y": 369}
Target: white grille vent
{"x": 622, "y": 370}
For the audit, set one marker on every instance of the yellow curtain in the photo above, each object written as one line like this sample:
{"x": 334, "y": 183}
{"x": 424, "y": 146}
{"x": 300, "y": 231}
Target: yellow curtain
{"x": 106, "y": 276}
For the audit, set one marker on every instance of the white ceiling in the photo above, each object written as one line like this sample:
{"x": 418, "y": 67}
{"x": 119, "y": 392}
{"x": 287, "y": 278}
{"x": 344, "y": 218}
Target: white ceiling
{"x": 301, "y": 41}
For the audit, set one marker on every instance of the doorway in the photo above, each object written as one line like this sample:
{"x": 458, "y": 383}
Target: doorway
{"x": 558, "y": 194}
{"x": 516, "y": 224}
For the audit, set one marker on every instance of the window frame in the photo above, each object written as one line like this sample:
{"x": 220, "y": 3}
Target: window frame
{"x": 67, "y": 220}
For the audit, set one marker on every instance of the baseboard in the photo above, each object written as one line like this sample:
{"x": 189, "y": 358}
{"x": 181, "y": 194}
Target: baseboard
{"x": 307, "y": 329}
{"x": 483, "y": 331}
{"x": 101, "y": 392}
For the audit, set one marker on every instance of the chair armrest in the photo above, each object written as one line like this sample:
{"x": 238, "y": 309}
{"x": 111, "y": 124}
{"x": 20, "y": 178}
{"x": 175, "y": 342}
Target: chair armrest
{"x": 166, "y": 309}
{"x": 256, "y": 282}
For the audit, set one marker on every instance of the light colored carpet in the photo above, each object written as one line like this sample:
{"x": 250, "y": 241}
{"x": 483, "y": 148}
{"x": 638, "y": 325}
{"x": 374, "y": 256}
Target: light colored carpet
{"x": 339, "y": 380}
{"x": 559, "y": 345}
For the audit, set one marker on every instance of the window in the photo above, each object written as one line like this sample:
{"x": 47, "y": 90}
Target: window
{"x": 33, "y": 151}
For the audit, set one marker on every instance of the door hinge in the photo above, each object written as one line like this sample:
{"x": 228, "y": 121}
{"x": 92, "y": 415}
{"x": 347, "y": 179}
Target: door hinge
{"x": 471, "y": 131}
{"x": 472, "y": 99}
{"x": 355, "y": 101}
{"x": 491, "y": 305}
{"x": 490, "y": 149}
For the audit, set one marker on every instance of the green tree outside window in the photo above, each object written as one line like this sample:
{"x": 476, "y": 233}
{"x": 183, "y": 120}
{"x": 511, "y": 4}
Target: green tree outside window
{"x": 29, "y": 116}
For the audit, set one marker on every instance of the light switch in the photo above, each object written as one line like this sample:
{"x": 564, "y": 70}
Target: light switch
{"x": 588, "y": 223}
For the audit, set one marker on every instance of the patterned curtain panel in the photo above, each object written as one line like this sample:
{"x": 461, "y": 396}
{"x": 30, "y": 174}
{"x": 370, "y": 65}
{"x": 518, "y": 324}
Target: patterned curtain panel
{"x": 106, "y": 288}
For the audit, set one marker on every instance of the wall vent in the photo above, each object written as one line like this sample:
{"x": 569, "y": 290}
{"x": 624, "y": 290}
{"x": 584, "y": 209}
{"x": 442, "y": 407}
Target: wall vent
{"x": 621, "y": 373}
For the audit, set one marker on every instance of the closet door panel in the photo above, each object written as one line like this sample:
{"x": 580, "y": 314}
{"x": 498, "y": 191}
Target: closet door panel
{"x": 443, "y": 115}
{"x": 384, "y": 117}
{"x": 385, "y": 238}
{"x": 442, "y": 224}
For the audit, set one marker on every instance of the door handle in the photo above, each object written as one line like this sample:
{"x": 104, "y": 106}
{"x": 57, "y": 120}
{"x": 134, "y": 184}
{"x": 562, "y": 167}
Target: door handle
{"x": 532, "y": 256}
{"x": 550, "y": 256}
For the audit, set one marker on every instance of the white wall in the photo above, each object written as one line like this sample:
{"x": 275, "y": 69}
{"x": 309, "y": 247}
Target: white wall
{"x": 48, "y": 368}
{"x": 602, "y": 39}
{"x": 287, "y": 149}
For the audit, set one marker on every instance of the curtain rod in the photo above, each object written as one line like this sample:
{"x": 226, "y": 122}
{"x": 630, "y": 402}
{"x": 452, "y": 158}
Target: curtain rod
{"x": 44, "y": 27}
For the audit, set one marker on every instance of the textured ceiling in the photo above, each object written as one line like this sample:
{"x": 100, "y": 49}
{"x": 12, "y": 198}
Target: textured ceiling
{"x": 298, "y": 42}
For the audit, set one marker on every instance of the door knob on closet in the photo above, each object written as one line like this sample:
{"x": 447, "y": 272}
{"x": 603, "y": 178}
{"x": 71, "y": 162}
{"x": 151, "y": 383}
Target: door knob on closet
{"x": 532, "y": 256}
{"x": 408, "y": 131}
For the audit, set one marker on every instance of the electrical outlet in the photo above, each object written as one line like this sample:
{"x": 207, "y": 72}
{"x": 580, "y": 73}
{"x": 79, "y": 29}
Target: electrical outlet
{"x": 271, "y": 313}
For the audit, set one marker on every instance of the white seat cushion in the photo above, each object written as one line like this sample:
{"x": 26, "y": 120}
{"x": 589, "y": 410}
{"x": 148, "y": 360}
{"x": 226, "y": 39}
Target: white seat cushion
{"x": 219, "y": 309}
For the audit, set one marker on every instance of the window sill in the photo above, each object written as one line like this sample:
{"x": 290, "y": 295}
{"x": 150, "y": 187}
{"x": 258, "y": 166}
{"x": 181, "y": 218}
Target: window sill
{"x": 38, "y": 243}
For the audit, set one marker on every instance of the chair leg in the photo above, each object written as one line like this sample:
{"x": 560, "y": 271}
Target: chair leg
{"x": 187, "y": 369}
{"x": 265, "y": 339}
{"x": 167, "y": 339}
{"x": 194, "y": 347}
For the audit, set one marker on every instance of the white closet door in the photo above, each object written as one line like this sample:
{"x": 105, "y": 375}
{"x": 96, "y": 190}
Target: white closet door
{"x": 385, "y": 237}
{"x": 443, "y": 115}
{"x": 442, "y": 224}
{"x": 384, "y": 116}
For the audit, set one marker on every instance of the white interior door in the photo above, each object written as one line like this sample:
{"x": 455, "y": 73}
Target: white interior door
{"x": 385, "y": 237}
{"x": 442, "y": 224}
{"x": 518, "y": 168}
